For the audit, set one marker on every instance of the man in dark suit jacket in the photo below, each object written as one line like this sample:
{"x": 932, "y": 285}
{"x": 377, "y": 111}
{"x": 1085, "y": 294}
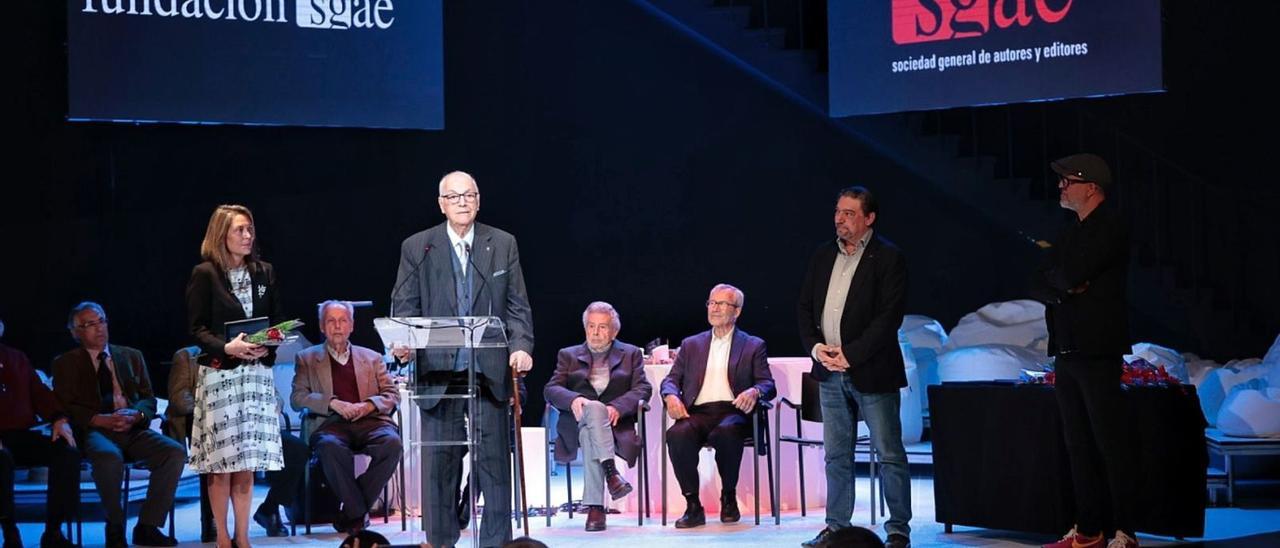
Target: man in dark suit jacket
{"x": 598, "y": 387}
{"x": 349, "y": 398}
{"x": 717, "y": 379}
{"x": 106, "y": 389}
{"x": 851, "y": 304}
{"x": 463, "y": 268}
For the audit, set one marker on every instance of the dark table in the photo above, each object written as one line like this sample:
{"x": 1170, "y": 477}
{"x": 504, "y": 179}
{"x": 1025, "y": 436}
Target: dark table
{"x": 999, "y": 461}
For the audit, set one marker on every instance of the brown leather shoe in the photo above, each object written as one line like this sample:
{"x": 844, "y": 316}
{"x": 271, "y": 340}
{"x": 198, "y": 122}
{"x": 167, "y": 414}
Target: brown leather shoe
{"x": 595, "y": 518}
{"x": 618, "y": 487}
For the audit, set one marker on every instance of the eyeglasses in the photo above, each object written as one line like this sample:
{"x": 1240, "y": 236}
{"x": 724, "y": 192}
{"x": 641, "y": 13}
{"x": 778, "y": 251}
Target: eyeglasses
{"x": 721, "y": 304}
{"x": 92, "y": 324}
{"x": 1064, "y": 182}
{"x": 456, "y": 199}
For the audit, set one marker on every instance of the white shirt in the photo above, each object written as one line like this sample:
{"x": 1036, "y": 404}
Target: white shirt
{"x": 715, "y": 383}
{"x": 344, "y": 357}
{"x": 461, "y": 243}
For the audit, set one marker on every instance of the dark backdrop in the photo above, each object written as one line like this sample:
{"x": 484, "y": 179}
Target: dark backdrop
{"x": 633, "y": 165}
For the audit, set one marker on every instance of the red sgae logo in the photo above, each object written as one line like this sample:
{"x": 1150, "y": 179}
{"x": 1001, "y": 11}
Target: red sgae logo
{"x": 917, "y": 21}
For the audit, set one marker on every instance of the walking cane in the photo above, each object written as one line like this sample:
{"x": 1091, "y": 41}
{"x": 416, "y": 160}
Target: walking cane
{"x": 524, "y": 494}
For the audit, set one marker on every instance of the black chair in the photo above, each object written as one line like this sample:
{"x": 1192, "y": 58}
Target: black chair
{"x": 759, "y": 442}
{"x": 550, "y": 417}
{"x": 306, "y": 480}
{"x": 810, "y": 409}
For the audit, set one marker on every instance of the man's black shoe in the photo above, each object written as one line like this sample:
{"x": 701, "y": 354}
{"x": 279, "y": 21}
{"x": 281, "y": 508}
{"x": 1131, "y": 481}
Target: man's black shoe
{"x": 115, "y": 536}
{"x": 208, "y": 534}
{"x": 148, "y": 535}
{"x": 270, "y": 520}
{"x": 729, "y": 509}
{"x": 52, "y": 538}
{"x": 898, "y": 541}
{"x": 12, "y": 536}
{"x": 820, "y": 540}
{"x": 350, "y": 526}
{"x": 694, "y": 516}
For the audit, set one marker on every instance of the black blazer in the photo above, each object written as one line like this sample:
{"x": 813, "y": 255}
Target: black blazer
{"x": 872, "y": 314}
{"x": 210, "y": 305}
{"x": 626, "y": 389}
{"x": 75, "y": 383}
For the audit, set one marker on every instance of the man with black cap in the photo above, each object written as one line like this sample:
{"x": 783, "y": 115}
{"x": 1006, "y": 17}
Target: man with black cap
{"x": 1082, "y": 283}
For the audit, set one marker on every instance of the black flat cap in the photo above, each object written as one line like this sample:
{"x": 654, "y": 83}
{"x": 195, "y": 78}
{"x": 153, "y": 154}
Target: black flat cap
{"x": 1089, "y": 167}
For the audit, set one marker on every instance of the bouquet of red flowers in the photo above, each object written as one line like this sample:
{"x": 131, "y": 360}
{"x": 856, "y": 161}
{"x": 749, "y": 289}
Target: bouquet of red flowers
{"x": 1138, "y": 373}
{"x": 1142, "y": 373}
{"x": 276, "y": 335}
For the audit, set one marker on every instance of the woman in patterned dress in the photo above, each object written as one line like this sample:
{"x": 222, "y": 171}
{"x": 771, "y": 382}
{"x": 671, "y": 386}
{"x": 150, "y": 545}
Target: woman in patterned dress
{"x": 235, "y": 428}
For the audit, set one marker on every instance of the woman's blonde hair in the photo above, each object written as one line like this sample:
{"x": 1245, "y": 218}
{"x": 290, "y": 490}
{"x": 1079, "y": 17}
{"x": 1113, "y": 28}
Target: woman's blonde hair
{"x": 214, "y": 246}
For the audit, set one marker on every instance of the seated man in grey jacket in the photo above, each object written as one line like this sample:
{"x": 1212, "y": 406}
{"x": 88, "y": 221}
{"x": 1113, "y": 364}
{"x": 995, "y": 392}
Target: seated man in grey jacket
{"x": 284, "y": 483}
{"x": 350, "y": 398}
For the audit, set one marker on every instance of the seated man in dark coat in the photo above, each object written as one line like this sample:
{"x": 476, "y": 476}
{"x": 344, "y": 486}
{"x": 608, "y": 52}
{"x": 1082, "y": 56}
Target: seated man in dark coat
{"x": 598, "y": 386}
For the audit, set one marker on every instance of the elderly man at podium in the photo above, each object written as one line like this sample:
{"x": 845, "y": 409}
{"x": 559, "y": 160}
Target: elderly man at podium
{"x": 464, "y": 268}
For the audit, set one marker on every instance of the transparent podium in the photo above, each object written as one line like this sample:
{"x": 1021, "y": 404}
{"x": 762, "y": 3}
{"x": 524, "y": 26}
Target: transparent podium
{"x": 470, "y": 333}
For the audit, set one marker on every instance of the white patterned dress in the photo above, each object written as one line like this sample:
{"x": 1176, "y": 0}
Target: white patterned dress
{"x": 236, "y": 426}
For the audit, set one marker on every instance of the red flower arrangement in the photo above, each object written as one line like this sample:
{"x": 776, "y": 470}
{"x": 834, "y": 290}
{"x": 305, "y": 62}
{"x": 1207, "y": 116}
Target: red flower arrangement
{"x": 1143, "y": 373}
{"x": 1139, "y": 373}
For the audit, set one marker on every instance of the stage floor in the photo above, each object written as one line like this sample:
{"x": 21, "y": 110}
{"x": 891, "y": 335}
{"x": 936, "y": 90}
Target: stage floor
{"x": 1262, "y": 518}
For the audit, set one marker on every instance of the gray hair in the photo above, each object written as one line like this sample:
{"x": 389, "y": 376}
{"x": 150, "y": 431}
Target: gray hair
{"x": 738, "y": 297}
{"x": 615, "y": 321}
{"x": 320, "y": 308}
{"x": 77, "y": 309}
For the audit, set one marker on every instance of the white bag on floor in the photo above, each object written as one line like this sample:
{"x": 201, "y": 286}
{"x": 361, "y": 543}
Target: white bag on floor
{"x": 926, "y": 337}
{"x": 1251, "y": 413}
{"x": 1218, "y": 384}
{"x": 988, "y": 362}
{"x": 910, "y": 409}
{"x": 1013, "y": 323}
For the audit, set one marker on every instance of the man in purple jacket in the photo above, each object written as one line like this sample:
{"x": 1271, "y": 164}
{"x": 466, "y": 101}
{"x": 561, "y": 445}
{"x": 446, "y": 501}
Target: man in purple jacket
{"x": 718, "y": 377}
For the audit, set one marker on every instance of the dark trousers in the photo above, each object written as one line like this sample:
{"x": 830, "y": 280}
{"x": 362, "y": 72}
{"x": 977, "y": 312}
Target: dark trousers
{"x": 718, "y": 424}
{"x": 336, "y": 443}
{"x": 28, "y": 448}
{"x": 442, "y": 469}
{"x": 107, "y": 451}
{"x": 284, "y": 483}
{"x": 1099, "y": 441}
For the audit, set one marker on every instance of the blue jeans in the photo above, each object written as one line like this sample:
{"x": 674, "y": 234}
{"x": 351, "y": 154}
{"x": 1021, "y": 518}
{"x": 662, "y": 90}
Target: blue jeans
{"x": 839, "y": 433}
